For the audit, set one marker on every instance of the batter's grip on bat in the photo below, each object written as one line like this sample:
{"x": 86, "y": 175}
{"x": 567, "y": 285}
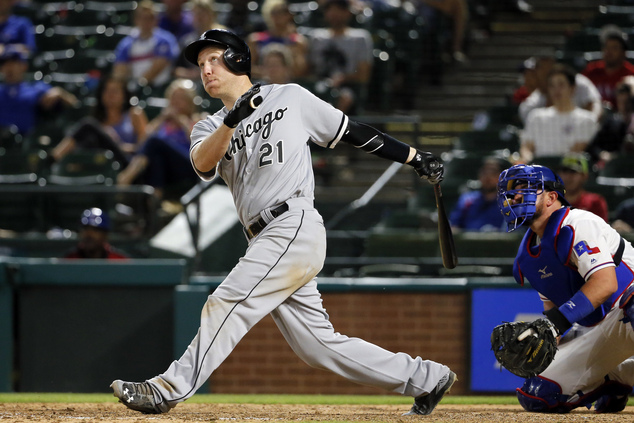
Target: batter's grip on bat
{"x": 427, "y": 166}
{"x": 243, "y": 108}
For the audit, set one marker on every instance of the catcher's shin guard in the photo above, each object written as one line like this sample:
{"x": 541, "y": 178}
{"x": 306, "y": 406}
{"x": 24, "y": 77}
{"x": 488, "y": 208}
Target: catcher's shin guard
{"x": 541, "y": 395}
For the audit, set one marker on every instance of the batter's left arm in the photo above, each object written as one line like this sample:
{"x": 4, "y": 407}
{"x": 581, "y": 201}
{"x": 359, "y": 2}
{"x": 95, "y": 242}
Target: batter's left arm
{"x": 373, "y": 141}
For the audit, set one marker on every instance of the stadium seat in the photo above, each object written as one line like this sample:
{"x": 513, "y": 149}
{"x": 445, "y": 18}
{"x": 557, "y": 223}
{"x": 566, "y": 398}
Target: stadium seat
{"x": 621, "y": 16}
{"x": 487, "y": 141}
{"x": 487, "y": 244}
{"x": 619, "y": 167}
{"x": 460, "y": 167}
{"x": 551, "y": 162}
{"x": 54, "y": 39}
{"x": 119, "y": 12}
{"x": 106, "y": 41}
{"x": 82, "y": 15}
{"x": 21, "y": 211}
{"x": 48, "y": 131}
{"x": 497, "y": 118}
{"x": 580, "y": 48}
{"x": 52, "y": 60}
{"x": 22, "y": 167}
{"x": 10, "y": 138}
{"x": 402, "y": 243}
{"x": 93, "y": 167}
{"x": 582, "y": 41}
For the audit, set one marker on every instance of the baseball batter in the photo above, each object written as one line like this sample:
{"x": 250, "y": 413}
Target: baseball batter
{"x": 258, "y": 144}
{"x": 582, "y": 269}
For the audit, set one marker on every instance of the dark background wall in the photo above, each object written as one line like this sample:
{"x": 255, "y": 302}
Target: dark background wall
{"x": 79, "y": 339}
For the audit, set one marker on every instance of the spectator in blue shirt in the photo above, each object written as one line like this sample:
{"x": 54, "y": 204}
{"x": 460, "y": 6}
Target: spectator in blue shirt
{"x": 175, "y": 19}
{"x": 22, "y": 101}
{"x": 478, "y": 210}
{"x": 16, "y": 31}
{"x": 146, "y": 56}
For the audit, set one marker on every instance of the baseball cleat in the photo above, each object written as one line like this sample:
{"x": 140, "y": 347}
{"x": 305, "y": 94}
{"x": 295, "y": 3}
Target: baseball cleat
{"x": 136, "y": 396}
{"x": 425, "y": 404}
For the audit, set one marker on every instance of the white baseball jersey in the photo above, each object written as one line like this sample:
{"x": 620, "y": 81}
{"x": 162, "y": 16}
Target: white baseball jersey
{"x": 268, "y": 160}
{"x": 268, "y": 163}
{"x": 585, "y": 93}
{"x": 601, "y": 241}
{"x": 554, "y": 133}
{"x": 582, "y": 362}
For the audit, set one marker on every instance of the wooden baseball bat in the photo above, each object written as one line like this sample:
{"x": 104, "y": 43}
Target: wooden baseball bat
{"x": 445, "y": 236}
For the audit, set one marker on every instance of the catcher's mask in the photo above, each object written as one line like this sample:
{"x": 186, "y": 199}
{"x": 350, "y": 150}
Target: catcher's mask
{"x": 237, "y": 55}
{"x": 529, "y": 181}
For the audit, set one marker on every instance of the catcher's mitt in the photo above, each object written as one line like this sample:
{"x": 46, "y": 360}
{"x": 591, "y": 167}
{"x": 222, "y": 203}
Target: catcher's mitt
{"x": 525, "y": 348}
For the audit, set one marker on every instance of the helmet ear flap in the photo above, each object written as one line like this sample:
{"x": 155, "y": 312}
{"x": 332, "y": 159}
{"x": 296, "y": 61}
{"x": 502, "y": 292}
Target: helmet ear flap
{"x": 237, "y": 62}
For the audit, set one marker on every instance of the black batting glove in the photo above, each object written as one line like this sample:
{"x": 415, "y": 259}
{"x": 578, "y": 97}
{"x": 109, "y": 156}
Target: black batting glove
{"x": 244, "y": 107}
{"x": 427, "y": 166}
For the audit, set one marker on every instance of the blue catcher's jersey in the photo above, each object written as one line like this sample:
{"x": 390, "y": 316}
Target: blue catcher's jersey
{"x": 551, "y": 269}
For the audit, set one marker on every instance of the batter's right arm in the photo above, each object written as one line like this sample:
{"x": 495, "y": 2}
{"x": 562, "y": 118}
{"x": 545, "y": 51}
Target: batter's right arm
{"x": 207, "y": 153}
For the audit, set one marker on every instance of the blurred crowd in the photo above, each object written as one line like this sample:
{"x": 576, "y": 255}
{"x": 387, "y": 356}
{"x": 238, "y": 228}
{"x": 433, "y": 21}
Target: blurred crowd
{"x": 138, "y": 98}
{"x": 575, "y": 120}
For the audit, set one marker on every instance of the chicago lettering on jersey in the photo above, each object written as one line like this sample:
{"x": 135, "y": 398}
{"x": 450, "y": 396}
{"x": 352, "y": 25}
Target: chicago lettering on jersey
{"x": 264, "y": 123}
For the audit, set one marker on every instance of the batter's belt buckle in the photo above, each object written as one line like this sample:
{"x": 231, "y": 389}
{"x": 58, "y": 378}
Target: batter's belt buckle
{"x": 257, "y": 227}
{"x": 250, "y": 232}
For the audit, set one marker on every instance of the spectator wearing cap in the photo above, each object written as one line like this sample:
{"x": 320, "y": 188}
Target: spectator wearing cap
{"x": 340, "y": 57}
{"x": 607, "y": 72}
{"x": 147, "y": 54}
{"x": 21, "y": 102}
{"x": 585, "y": 96}
{"x": 15, "y": 31}
{"x": 478, "y": 210}
{"x": 574, "y": 172}
{"x": 93, "y": 238}
{"x": 561, "y": 128}
{"x": 528, "y": 81}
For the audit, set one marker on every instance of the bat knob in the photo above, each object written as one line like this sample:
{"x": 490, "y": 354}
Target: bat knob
{"x": 255, "y": 102}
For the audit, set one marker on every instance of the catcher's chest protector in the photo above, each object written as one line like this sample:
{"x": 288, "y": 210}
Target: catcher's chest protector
{"x": 546, "y": 267}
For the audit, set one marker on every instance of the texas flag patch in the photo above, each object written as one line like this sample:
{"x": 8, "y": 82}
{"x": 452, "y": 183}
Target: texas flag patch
{"x": 582, "y": 248}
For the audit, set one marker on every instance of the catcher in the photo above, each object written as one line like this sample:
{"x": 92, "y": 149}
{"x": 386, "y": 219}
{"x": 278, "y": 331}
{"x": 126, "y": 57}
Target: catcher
{"x": 582, "y": 269}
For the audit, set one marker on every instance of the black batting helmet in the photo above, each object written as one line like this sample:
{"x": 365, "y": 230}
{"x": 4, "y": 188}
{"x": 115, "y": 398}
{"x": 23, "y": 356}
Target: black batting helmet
{"x": 237, "y": 54}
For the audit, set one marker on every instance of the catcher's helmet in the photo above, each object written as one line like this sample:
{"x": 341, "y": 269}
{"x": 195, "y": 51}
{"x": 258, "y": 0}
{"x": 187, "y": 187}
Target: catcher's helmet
{"x": 96, "y": 218}
{"x": 529, "y": 181}
{"x": 237, "y": 55}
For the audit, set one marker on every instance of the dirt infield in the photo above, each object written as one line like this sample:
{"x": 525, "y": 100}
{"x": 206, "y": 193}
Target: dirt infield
{"x": 110, "y": 412}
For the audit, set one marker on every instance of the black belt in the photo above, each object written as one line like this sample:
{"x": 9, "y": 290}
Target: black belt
{"x": 260, "y": 224}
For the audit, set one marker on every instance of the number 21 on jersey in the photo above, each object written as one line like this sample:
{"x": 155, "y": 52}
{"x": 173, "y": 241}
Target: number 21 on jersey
{"x": 270, "y": 153}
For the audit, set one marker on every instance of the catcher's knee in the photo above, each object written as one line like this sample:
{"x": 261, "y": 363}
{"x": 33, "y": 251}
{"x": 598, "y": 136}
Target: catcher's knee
{"x": 542, "y": 396}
